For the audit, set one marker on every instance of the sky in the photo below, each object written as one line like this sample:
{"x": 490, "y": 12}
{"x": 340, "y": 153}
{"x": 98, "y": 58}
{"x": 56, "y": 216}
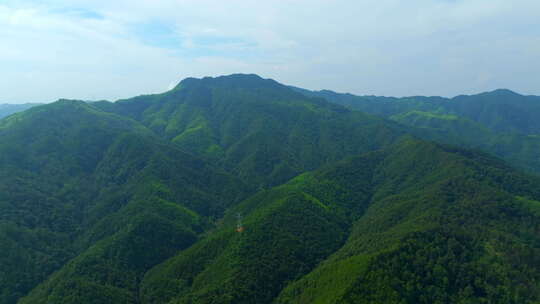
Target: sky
{"x": 103, "y": 49}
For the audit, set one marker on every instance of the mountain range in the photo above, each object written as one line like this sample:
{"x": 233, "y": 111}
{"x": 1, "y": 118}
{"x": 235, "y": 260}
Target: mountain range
{"x": 239, "y": 189}
{"x": 501, "y": 122}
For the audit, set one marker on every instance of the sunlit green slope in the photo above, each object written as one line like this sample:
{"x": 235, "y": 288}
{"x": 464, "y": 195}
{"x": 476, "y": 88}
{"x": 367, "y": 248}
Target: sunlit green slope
{"x": 416, "y": 223}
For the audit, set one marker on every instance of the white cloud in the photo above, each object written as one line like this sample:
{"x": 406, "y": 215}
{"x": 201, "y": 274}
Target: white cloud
{"x": 390, "y": 47}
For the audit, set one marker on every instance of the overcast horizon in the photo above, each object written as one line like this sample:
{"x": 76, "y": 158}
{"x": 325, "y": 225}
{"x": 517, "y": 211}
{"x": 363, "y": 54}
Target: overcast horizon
{"x": 96, "y": 49}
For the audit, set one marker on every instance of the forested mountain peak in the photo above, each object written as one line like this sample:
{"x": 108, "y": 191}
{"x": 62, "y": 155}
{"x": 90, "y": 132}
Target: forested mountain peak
{"x": 504, "y": 92}
{"x": 235, "y": 121}
{"x": 498, "y": 96}
{"x": 251, "y": 81}
{"x": 501, "y": 93}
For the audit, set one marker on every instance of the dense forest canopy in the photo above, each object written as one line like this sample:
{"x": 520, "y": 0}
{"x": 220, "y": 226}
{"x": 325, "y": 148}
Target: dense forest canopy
{"x": 341, "y": 198}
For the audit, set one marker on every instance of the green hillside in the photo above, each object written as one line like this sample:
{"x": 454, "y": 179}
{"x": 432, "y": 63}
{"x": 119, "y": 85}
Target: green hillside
{"x": 8, "y": 109}
{"x": 98, "y": 196}
{"x": 446, "y": 128}
{"x": 443, "y": 226}
{"x": 258, "y": 129}
{"x": 345, "y": 233}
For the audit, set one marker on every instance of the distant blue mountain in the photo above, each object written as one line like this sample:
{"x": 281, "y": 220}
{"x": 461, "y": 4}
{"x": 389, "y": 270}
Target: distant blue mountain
{"x": 8, "y": 109}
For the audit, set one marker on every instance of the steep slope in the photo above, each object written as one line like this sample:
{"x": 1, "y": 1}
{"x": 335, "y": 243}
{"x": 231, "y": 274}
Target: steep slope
{"x": 8, "y": 109}
{"x": 256, "y": 128}
{"x": 372, "y": 229}
{"x": 501, "y": 122}
{"x": 80, "y": 184}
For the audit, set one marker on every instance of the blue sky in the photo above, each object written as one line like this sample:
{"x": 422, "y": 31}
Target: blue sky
{"x": 97, "y": 49}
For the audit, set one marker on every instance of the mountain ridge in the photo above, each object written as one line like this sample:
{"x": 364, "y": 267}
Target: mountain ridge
{"x": 501, "y": 122}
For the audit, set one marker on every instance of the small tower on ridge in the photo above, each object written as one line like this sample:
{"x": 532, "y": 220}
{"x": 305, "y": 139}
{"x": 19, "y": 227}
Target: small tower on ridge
{"x": 239, "y": 226}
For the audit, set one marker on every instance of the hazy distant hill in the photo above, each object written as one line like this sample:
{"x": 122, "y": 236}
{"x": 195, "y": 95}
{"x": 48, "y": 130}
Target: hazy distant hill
{"x": 415, "y": 223}
{"x": 8, "y": 109}
{"x": 501, "y": 122}
{"x": 92, "y": 190}
{"x": 500, "y": 110}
